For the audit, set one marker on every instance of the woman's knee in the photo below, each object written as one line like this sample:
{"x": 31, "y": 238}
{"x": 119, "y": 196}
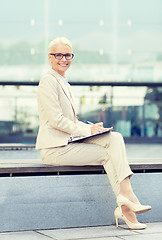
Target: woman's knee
{"x": 116, "y": 134}
{"x": 116, "y": 137}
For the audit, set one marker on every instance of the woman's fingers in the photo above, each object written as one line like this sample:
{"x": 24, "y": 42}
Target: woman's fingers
{"x": 97, "y": 128}
{"x": 100, "y": 124}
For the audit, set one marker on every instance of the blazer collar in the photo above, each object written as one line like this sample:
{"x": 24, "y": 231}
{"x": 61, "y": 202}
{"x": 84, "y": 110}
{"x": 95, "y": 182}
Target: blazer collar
{"x": 58, "y": 77}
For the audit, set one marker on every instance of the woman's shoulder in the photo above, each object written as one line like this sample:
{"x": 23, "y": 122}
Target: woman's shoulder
{"x": 48, "y": 78}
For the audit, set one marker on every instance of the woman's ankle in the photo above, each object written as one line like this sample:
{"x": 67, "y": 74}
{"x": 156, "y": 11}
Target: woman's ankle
{"x": 126, "y": 193}
{"x": 131, "y": 196}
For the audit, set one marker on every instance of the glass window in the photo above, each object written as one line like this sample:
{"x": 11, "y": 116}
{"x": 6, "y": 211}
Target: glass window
{"x": 121, "y": 38}
{"x": 113, "y": 41}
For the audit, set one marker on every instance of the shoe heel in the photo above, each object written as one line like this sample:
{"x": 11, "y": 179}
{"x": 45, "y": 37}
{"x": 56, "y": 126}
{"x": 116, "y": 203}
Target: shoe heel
{"x": 119, "y": 215}
{"x": 116, "y": 222}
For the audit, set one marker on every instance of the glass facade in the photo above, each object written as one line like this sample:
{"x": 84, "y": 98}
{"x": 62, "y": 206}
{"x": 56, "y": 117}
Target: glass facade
{"x": 133, "y": 111}
{"x": 113, "y": 41}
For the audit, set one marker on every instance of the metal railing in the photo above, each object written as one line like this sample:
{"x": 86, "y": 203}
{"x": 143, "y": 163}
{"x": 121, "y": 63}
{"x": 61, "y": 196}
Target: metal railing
{"x": 110, "y": 84}
{"x": 87, "y": 83}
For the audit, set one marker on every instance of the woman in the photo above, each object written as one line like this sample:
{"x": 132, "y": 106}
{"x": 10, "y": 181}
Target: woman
{"x": 59, "y": 124}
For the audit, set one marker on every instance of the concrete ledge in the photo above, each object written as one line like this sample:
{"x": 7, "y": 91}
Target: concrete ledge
{"x": 45, "y": 202}
{"x": 29, "y": 169}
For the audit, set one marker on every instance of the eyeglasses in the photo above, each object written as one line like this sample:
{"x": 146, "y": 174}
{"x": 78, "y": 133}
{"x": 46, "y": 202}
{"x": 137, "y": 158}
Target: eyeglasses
{"x": 59, "y": 56}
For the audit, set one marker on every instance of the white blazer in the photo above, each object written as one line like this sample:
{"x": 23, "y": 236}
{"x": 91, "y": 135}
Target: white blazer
{"x": 57, "y": 114}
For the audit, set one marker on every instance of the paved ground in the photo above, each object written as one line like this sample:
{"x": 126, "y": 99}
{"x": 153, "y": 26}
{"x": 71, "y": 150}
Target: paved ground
{"x": 153, "y": 232}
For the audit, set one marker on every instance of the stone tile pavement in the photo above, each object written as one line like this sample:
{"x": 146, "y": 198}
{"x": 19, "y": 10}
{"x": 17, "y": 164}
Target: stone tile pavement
{"x": 153, "y": 232}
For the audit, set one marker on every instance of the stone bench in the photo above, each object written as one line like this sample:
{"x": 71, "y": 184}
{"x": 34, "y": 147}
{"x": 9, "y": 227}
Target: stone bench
{"x": 37, "y": 196}
{"x": 28, "y": 169}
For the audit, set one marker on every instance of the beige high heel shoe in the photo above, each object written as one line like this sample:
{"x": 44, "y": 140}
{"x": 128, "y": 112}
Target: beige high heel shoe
{"x": 137, "y": 208}
{"x": 118, "y": 214}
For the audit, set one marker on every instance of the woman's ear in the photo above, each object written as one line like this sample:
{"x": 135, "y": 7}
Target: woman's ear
{"x": 50, "y": 58}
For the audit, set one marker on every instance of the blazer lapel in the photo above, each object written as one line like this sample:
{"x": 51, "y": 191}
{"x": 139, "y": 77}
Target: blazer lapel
{"x": 65, "y": 88}
{"x": 72, "y": 96}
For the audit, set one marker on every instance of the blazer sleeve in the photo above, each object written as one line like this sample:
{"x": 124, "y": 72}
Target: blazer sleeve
{"x": 49, "y": 103}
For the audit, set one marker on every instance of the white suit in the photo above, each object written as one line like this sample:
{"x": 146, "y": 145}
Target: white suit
{"x": 58, "y": 122}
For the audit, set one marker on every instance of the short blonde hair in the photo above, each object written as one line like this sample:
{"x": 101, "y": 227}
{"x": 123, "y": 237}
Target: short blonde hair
{"x": 57, "y": 41}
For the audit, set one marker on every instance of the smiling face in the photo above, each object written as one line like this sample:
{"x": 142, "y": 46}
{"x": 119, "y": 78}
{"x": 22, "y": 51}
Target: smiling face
{"x": 60, "y": 66}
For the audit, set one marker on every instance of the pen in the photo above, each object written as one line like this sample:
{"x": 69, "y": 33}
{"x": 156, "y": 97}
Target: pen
{"x": 111, "y": 128}
{"x": 90, "y": 122}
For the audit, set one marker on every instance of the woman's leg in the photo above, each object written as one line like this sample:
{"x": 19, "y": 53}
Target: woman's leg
{"x": 117, "y": 166}
{"x": 117, "y": 169}
{"x": 107, "y": 150}
{"x": 127, "y": 191}
{"x": 75, "y": 154}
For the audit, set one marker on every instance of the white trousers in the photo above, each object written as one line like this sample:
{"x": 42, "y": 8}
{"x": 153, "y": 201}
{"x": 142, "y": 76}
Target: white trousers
{"x": 107, "y": 150}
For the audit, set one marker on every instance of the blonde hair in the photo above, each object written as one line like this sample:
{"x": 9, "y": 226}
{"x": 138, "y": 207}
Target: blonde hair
{"x": 57, "y": 41}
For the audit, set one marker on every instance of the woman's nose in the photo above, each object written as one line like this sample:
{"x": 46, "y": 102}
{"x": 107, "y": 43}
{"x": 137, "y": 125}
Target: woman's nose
{"x": 63, "y": 58}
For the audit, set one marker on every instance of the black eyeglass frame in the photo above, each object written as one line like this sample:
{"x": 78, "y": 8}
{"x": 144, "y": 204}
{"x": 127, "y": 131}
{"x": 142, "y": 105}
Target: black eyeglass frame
{"x": 63, "y": 55}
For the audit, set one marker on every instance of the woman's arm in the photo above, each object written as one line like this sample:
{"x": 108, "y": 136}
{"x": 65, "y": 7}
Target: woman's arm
{"x": 49, "y": 103}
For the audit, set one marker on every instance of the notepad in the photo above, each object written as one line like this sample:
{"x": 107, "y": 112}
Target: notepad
{"x": 78, "y": 139}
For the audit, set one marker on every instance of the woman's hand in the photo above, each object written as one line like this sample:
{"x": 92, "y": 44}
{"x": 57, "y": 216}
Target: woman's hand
{"x": 97, "y": 128}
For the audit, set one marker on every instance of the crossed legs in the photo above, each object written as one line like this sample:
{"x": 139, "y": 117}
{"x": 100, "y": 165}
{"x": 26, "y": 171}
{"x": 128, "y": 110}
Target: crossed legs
{"x": 107, "y": 150}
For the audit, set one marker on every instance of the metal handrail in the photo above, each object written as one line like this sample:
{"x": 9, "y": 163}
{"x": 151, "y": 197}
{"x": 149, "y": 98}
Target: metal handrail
{"x": 87, "y": 83}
